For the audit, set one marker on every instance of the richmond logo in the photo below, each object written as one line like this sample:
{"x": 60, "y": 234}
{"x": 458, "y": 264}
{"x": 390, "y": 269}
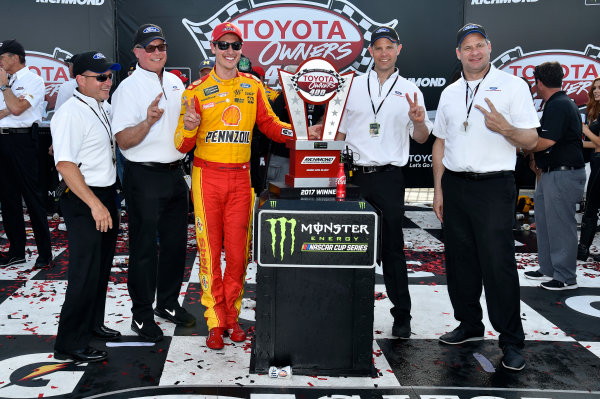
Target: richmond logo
{"x": 276, "y": 35}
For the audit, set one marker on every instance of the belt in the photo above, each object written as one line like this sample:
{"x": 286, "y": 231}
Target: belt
{"x": 201, "y": 163}
{"x": 560, "y": 168}
{"x": 100, "y": 189}
{"x": 12, "y": 130}
{"x": 168, "y": 166}
{"x": 480, "y": 176}
{"x": 374, "y": 169}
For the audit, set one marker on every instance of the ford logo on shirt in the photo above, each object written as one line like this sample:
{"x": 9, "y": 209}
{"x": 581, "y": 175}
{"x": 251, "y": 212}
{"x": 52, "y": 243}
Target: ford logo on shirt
{"x": 245, "y": 85}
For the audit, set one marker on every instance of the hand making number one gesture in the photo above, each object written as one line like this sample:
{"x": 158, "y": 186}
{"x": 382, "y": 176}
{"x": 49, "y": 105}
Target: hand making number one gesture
{"x": 154, "y": 113}
{"x": 416, "y": 112}
{"x": 191, "y": 119}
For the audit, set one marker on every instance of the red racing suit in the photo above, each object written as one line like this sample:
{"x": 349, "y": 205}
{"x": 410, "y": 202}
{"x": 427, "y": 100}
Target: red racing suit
{"x": 221, "y": 190}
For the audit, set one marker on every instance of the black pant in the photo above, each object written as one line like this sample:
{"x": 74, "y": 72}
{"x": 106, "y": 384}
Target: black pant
{"x": 157, "y": 203}
{"x": 592, "y": 196}
{"x": 480, "y": 252}
{"x": 385, "y": 191}
{"x": 19, "y": 178}
{"x": 90, "y": 259}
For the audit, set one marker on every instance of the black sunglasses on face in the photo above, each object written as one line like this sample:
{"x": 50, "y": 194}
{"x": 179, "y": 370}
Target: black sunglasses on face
{"x": 100, "y": 78}
{"x": 152, "y": 48}
{"x": 225, "y": 45}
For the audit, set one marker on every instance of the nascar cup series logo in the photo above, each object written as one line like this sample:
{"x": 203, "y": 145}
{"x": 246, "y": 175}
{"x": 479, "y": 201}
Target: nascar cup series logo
{"x": 286, "y": 33}
{"x": 580, "y": 69}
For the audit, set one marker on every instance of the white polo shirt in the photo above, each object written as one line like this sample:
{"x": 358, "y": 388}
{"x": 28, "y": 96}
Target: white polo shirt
{"x": 81, "y": 134}
{"x": 479, "y": 149}
{"x": 65, "y": 92}
{"x": 31, "y": 87}
{"x": 130, "y": 104}
{"x": 391, "y": 145}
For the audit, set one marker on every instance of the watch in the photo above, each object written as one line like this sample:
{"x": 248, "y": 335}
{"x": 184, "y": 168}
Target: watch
{"x": 4, "y": 87}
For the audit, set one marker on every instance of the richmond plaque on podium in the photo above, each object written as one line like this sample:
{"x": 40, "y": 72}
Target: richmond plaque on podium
{"x": 315, "y": 163}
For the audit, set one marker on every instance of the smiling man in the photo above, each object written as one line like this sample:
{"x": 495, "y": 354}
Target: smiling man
{"x": 480, "y": 120}
{"x": 218, "y": 114}
{"x": 146, "y": 109}
{"x": 21, "y": 98}
{"x": 383, "y": 111}
{"x": 84, "y": 156}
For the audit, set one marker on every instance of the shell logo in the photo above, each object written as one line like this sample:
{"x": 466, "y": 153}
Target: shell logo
{"x": 231, "y": 116}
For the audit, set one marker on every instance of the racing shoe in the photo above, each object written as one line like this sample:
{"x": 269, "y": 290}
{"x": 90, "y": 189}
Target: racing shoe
{"x": 236, "y": 333}
{"x": 177, "y": 315}
{"x": 215, "y": 338}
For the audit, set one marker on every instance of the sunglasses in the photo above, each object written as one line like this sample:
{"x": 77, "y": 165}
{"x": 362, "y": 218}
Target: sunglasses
{"x": 152, "y": 48}
{"x": 100, "y": 78}
{"x": 225, "y": 45}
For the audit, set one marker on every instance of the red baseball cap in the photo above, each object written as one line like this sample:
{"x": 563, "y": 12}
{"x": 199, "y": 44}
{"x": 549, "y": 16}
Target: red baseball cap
{"x": 223, "y": 29}
{"x": 259, "y": 71}
{"x": 180, "y": 75}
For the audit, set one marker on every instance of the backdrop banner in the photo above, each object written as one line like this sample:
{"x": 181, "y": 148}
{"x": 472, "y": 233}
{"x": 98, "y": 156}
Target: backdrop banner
{"x": 279, "y": 33}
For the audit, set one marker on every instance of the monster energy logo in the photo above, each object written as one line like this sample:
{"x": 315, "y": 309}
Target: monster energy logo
{"x": 361, "y": 205}
{"x": 273, "y": 204}
{"x": 283, "y": 223}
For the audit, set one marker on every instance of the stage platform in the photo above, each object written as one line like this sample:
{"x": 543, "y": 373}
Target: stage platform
{"x": 562, "y": 332}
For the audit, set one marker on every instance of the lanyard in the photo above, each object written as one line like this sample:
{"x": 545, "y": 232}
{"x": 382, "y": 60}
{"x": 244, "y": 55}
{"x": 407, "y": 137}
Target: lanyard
{"x": 105, "y": 123}
{"x": 467, "y": 89}
{"x": 386, "y": 96}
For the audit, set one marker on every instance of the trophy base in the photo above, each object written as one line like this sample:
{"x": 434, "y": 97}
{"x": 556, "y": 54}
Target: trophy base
{"x": 283, "y": 191}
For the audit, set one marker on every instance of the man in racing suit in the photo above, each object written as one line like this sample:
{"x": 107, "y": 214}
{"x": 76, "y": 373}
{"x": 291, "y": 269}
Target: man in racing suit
{"x": 218, "y": 114}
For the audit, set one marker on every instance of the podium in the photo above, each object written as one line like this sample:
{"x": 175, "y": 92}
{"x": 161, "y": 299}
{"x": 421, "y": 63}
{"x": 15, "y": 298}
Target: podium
{"x": 315, "y": 285}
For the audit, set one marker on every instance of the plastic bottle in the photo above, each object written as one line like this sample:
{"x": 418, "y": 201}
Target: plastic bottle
{"x": 340, "y": 192}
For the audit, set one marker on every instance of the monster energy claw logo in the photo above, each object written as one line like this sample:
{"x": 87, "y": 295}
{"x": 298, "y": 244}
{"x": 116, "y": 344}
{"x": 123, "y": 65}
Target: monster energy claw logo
{"x": 361, "y": 205}
{"x": 273, "y": 204}
{"x": 283, "y": 223}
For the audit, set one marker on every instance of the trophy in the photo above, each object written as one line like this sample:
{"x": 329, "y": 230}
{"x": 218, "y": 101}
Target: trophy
{"x": 314, "y": 163}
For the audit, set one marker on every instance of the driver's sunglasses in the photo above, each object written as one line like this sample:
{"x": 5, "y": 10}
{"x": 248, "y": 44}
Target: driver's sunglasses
{"x": 225, "y": 45}
{"x": 152, "y": 48}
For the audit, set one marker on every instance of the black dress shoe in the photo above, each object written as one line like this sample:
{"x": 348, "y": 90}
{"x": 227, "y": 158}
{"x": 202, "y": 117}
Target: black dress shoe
{"x": 401, "y": 330}
{"x": 43, "y": 264}
{"x": 107, "y": 334}
{"x": 87, "y": 355}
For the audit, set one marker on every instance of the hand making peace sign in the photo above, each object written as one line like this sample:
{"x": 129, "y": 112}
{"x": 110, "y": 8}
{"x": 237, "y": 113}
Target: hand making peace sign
{"x": 191, "y": 119}
{"x": 416, "y": 112}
